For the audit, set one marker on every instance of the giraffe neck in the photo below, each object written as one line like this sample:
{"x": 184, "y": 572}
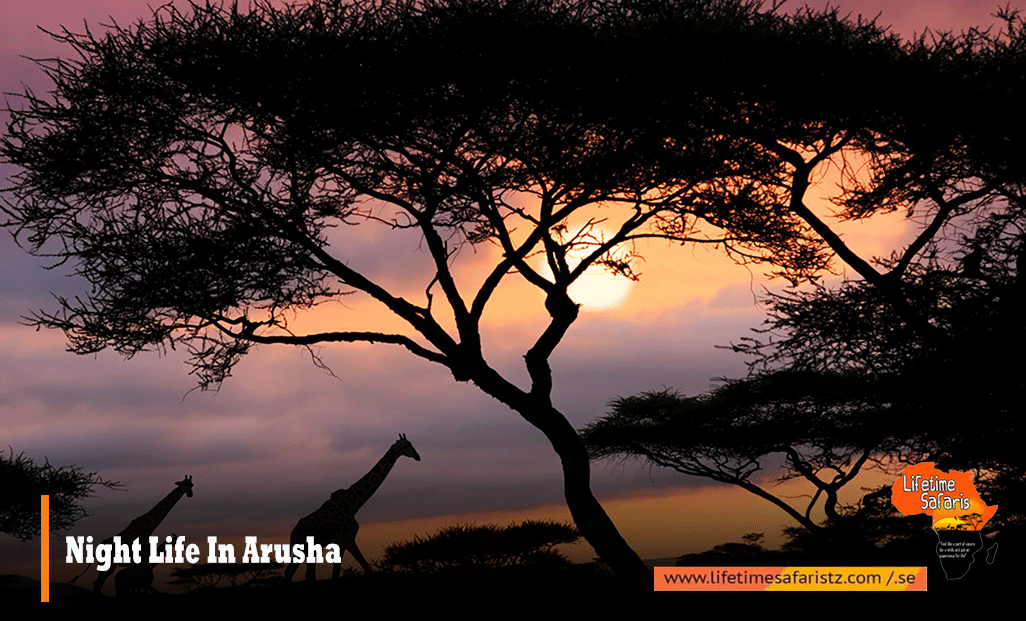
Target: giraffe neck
{"x": 145, "y": 524}
{"x": 361, "y": 491}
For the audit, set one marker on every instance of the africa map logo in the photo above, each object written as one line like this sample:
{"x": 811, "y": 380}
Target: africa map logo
{"x": 958, "y": 513}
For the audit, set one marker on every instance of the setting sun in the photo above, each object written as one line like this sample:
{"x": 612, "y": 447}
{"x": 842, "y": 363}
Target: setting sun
{"x": 598, "y": 290}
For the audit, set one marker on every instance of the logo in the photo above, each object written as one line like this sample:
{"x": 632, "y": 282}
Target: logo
{"x": 958, "y": 513}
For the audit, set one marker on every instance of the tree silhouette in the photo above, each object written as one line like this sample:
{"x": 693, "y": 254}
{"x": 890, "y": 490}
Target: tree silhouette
{"x": 211, "y": 575}
{"x": 22, "y": 482}
{"x": 908, "y": 338}
{"x": 940, "y": 342}
{"x": 818, "y": 427}
{"x": 970, "y": 521}
{"x": 203, "y": 169}
{"x": 530, "y": 543}
{"x": 954, "y": 396}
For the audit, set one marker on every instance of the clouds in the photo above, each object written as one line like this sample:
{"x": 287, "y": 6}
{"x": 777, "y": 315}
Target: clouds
{"x": 120, "y": 416}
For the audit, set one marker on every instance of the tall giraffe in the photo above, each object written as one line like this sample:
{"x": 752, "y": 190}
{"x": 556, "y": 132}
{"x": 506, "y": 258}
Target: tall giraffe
{"x": 144, "y": 525}
{"x": 335, "y": 521}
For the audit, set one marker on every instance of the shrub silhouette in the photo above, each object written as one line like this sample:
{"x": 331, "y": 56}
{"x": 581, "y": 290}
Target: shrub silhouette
{"x": 211, "y": 575}
{"x": 530, "y": 543}
{"x": 22, "y": 481}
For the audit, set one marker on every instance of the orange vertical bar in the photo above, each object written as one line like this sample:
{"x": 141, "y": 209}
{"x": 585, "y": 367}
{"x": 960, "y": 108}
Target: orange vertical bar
{"x": 44, "y": 543}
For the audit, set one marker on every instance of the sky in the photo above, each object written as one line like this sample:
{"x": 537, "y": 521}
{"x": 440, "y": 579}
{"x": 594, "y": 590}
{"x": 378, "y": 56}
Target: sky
{"x": 281, "y": 434}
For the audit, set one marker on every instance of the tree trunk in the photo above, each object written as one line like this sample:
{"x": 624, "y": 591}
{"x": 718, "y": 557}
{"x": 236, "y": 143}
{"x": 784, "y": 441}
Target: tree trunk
{"x": 589, "y": 516}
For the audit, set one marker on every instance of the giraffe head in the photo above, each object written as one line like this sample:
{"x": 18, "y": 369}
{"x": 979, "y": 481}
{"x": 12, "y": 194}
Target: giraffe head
{"x": 405, "y": 448}
{"x": 186, "y": 485}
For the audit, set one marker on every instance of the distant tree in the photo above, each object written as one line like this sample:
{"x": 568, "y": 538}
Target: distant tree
{"x": 530, "y": 543}
{"x": 22, "y": 482}
{"x": 970, "y": 521}
{"x": 202, "y": 169}
{"x": 755, "y": 433}
{"x": 754, "y": 539}
{"x": 731, "y": 553}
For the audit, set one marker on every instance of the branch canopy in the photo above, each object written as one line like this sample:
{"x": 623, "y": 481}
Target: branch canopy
{"x": 199, "y": 168}
{"x": 22, "y": 482}
{"x": 728, "y": 433}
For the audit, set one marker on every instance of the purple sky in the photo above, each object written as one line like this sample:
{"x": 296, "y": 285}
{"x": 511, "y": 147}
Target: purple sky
{"x": 281, "y": 434}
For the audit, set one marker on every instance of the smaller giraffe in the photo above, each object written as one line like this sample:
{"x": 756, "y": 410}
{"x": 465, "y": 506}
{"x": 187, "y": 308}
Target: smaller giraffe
{"x": 144, "y": 525}
{"x": 335, "y": 521}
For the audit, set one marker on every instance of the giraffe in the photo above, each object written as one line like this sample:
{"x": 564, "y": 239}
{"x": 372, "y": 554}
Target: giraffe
{"x": 144, "y": 525}
{"x": 335, "y": 521}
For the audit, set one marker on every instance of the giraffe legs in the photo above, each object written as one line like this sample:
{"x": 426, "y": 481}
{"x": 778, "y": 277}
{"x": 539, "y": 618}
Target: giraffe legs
{"x": 347, "y": 541}
{"x": 100, "y": 579}
{"x": 103, "y": 575}
{"x": 290, "y": 570}
{"x": 355, "y": 551}
{"x": 299, "y": 534}
{"x": 336, "y": 569}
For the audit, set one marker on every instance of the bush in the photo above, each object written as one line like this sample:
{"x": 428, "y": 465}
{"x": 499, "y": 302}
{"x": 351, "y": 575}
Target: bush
{"x": 23, "y": 481}
{"x": 210, "y": 575}
{"x": 530, "y": 543}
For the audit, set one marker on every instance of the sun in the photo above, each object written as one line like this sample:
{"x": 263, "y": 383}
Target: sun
{"x": 597, "y": 290}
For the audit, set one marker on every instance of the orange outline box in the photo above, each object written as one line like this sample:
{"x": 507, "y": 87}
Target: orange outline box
{"x": 790, "y": 579}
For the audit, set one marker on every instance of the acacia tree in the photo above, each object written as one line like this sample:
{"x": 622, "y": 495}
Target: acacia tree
{"x": 23, "y": 481}
{"x": 939, "y": 337}
{"x": 201, "y": 169}
{"x": 818, "y": 427}
{"x": 530, "y": 543}
{"x": 844, "y": 383}
{"x": 955, "y": 392}
{"x": 872, "y": 368}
